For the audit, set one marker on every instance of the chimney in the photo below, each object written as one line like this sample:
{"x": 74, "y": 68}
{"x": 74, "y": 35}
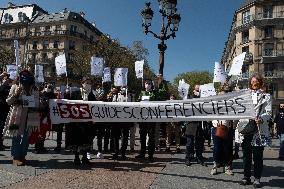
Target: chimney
{"x": 10, "y": 4}
{"x": 94, "y": 24}
{"x": 82, "y": 14}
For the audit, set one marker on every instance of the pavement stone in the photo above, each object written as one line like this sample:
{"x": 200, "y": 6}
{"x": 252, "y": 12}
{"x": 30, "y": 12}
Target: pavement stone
{"x": 177, "y": 175}
{"x": 52, "y": 170}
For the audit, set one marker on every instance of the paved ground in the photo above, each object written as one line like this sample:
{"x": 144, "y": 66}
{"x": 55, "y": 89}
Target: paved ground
{"x": 168, "y": 171}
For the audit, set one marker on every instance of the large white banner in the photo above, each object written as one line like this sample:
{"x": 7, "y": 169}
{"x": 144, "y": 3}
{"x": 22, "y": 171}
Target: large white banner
{"x": 236, "y": 68}
{"x": 60, "y": 64}
{"x": 12, "y": 70}
{"x": 219, "y": 73}
{"x": 17, "y": 53}
{"x": 97, "y": 66}
{"x": 230, "y": 106}
{"x": 39, "y": 73}
{"x": 120, "y": 77}
{"x": 139, "y": 68}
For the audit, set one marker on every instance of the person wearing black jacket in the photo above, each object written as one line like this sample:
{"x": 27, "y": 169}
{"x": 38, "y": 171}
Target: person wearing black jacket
{"x": 4, "y": 92}
{"x": 279, "y": 129}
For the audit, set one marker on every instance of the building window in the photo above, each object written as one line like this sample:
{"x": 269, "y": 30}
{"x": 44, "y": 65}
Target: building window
{"x": 45, "y": 44}
{"x": 71, "y": 45}
{"x": 73, "y": 29}
{"x": 85, "y": 33}
{"x": 268, "y": 11}
{"x": 47, "y": 28}
{"x": 22, "y": 16}
{"x": 268, "y": 49}
{"x": 245, "y": 49}
{"x": 34, "y": 44}
{"x": 272, "y": 89}
{"x": 55, "y": 44}
{"x": 246, "y": 17}
{"x": 58, "y": 27}
{"x": 8, "y": 18}
{"x": 245, "y": 36}
{"x": 91, "y": 38}
{"x": 268, "y": 67}
{"x": 44, "y": 56}
{"x": 245, "y": 68}
{"x": 34, "y": 58}
{"x": 55, "y": 55}
{"x": 268, "y": 32}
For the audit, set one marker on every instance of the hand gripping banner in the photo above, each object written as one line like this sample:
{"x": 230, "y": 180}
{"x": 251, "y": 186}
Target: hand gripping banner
{"x": 230, "y": 106}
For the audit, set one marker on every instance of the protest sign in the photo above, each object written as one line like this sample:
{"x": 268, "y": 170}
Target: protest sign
{"x": 97, "y": 66}
{"x": 12, "y": 70}
{"x": 207, "y": 90}
{"x": 107, "y": 75}
{"x": 219, "y": 73}
{"x": 236, "y": 68}
{"x": 39, "y": 73}
{"x": 183, "y": 89}
{"x": 139, "y": 68}
{"x": 17, "y": 53}
{"x": 120, "y": 77}
{"x": 60, "y": 65}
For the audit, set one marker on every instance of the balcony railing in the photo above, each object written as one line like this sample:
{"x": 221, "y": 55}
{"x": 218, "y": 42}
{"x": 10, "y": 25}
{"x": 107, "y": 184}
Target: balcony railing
{"x": 272, "y": 53}
{"x": 259, "y": 16}
{"x": 266, "y": 74}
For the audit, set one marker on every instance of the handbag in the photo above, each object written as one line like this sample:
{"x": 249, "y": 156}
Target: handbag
{"x": 222, "y": 131}
{"x": 248, "y": 126}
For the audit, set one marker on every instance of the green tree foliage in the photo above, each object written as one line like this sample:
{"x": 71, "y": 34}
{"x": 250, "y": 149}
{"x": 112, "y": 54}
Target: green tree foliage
{"x": 115, "y": 56}
{"x": 195, "y": 77}
{"x": 6, "y": 57}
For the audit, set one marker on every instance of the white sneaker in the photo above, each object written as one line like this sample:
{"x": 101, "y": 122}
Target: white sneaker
{"x": 100, "y": 155}
{"x": 88, "y": 156}
{"x": 214, "y": 171}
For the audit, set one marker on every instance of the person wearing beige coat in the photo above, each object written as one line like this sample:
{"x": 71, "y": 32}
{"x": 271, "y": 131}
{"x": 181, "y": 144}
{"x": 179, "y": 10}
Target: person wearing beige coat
{"x": 23, "y": 117}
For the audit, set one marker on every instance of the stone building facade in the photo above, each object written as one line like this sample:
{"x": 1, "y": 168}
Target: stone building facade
{"x": 42, "y": 36}
{"x": 258, "y": 29}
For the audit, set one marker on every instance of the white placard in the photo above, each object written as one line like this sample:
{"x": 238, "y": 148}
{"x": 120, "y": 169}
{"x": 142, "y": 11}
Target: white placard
{"x": 28, "y": 101}
{"x": 17, "y": 53}
{"x": 139, "y": 65}
{"x": 145, "y": 98}
{"x": 60, "y": 64}
{"x": 97, "y": 66}
{"x": 219, "y": 73}
{"x": 229, "y": 106}
{"x": 39, "y": 78}
{"x": 183, "y": 89}
{"x": 207, "y": 90}
{"x": 120, "y": 77}
{"x": 12, "y": 70}
{"x": 107, "y": 75}
{"x": 236, "y": 68}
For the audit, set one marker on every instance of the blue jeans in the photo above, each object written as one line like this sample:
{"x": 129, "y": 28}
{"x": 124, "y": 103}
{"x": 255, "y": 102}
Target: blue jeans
{"x": 281, "y": 151}
{"x": 20, "y": 145}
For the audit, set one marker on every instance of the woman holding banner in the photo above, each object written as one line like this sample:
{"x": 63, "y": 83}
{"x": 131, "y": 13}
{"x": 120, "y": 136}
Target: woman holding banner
{"x": 253, "y": 144}
{"x": 23, "y": 117}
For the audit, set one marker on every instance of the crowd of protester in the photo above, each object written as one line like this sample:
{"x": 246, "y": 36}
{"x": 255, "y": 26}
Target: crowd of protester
{"x": 27, "y": 125}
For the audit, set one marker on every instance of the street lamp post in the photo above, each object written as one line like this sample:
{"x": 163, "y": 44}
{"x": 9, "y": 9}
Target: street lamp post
{"x": 167, "y": 9}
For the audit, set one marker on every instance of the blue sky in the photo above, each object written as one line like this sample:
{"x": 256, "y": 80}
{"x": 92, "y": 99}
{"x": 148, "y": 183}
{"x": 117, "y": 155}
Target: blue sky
{"x": 203, "y": 30}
